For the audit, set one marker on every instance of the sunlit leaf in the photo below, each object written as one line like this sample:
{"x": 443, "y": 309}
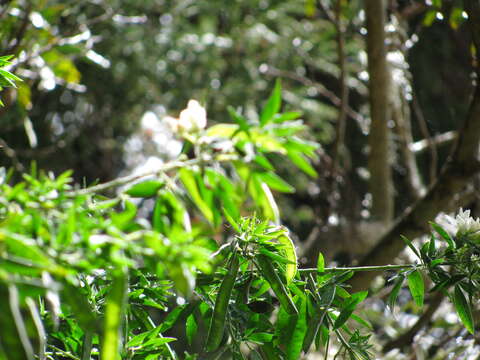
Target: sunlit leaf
{"x": 114, "y": 314}
{"x": 416, "y": 286}
{"x": 273, "y": 104}
{"x": 145, "y": 189}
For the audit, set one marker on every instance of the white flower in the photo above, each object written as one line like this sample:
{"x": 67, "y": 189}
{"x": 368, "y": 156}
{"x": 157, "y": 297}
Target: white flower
{"x": 463, "y": 225}
{"x": 466, "y": 224}
{"x": 193, "y": 118}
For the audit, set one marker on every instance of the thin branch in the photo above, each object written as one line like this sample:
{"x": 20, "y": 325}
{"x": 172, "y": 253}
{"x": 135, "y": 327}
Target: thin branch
{"x": 37, "y": 320}
{"x": 14, "y": 301}
{"x": 361, "y": 268}
{"x": 404, "y": 132}
{"x": 17, "y": 39}
{"x": 438, "y": 140}
{"x": 11, "y": 154}
{"x": 160, "y": 170}
{"x": 427, "y": 137}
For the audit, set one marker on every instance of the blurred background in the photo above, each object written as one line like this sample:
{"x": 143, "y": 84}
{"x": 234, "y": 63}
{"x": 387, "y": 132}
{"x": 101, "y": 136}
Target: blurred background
{"x": 99, "y": 76}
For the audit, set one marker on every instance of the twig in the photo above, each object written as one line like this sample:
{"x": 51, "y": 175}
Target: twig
{"x": 134, "y": 177}
{"x": 11, "y": 154}
{"x": 15, "y": 42}
{"x": 13, "y": 299}
{"x": 403, "y": 129}
{"x": 428, "y": 138}
{"x": 440, "y": 139}
{"x": 362, "y": 268}
{"x": 37, "y": 320}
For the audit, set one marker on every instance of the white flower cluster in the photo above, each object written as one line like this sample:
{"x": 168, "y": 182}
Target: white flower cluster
{"x": 191, "y": 120}
{"x": 465, "y": 224}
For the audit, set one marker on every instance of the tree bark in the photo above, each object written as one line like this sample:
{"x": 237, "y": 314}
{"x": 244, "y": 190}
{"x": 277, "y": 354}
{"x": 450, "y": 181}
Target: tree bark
{"x": 380, "y": 185}
{"x": 444, "y": 194}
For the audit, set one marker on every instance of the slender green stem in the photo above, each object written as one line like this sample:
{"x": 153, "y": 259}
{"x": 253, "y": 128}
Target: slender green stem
{"x": 162, "y": 169}
{"x": 361, "y": 268}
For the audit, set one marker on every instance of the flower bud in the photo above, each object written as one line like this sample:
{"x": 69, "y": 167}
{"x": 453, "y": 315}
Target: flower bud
{"x": 193, "y": 118}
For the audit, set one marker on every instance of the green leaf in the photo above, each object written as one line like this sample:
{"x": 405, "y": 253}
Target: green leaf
{"x": 172, "y": 317}
{"x": 348, "y": 307}
{"x": 222, "y": 130}
{"x": 239, "y": 119}
{"x": 288, "y": 248}
{"x": 416, "y": 286}
{"x": 187, "y": 177}
{"x": 362, "y": 321}
{"x": 395, "y": 291}
{"x": 191, "y": 328}
{"x": 320, "y": 263}
{"x": 299, "y": 160}
{"x": 275, "y": 182}
{"x": 263, "y": 161}
{"x": 123, "y": 220}
{"x": 260, "y": 337}
{"x": 273, "y": 256}
{"x": 445, "y": 235}
{"x": 273, "y": 104}
{"x": 231, "y": 220}
{"x": 463, "y": 309}
{"x": 263, "y": 197}
{"x": 268, "y": 272}
{"x": 286, "y": 116}
{"x": 431, "y": 246}
{"x": 295, "y": 343}
{"x": 114, "y": 314}
{"x": 145, "y": 189}
{"x": 410, "y": 245}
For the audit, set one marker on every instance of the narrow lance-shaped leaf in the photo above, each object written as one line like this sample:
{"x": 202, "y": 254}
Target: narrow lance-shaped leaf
{"x": 416, "y": 286}
{"x": 349, "y": 306}
{"x": 396, "y": 289}
{"x": 445, "y": 235}
{"x": 410, "y": 245}
{"x": 217, "y": 323}
{"x": 463, "y": 309}
{"x": 188, "y": 180}
{"x": 114, "y": 313}
{"x": 145, "y": 189}
{"x": 275, "y": 182}
{"x": 299, "y": 160}
{"x": 288, "y": 248}
{"x": 320, "y": 263}
{"x": 191, "y": 328}
{"x": 273, "y": 104}
{"x": 295, "y": 345}
{"x": 268, "y": 272}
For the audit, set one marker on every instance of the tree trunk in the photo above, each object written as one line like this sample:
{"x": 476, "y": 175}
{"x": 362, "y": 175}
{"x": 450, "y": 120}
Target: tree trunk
{"x": 380, "y": 185}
